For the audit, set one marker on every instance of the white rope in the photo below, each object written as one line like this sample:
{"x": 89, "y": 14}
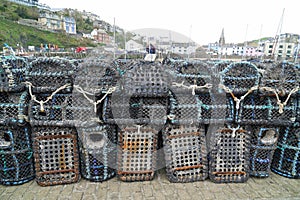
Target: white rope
{"x": 234, "y": 130}
{"x": 193, "y": 87}
{"x": 84, "y": 93}
{"x": 281, "y": 105}
{"x": 237, "y": 100}
{"x": 171, "y": 117}
{"x": 41, "y": 102}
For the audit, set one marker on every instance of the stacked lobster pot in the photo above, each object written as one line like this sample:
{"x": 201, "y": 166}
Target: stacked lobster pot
{"x": 95, "y": 80}
{"x": 184, "y": 134}
{"x": 16, "y": 154}
{"x": 139, "y": 108}
{"x": 229, "y": 144}
{"x": 51, "y": 110}
{"x": 280, "y": 84}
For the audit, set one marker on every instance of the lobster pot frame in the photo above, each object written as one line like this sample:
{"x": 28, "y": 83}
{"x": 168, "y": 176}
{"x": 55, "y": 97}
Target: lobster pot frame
{"x": 185, "y": 153}
{"x": 229, "y": 156}
{"x": 137, "y": 153}
{"x": 98, "y": 152}
{"x": 239, "y": 77}
{"x": 62, "y": 109}
{"x": 96, "y": 76}
{"x": 262, "y": 146}
{"x": 13, "y": 107}
{"x": 47, "y": 75}
{"x": 283, "y": 77}
{"x": 12, "y": 74}
{"x": 124, "y": 110}
{"x": 146, "y": 79}
{"x": 264, "y": 110}
{"x": 56, "y": 155}
{"x": 16, "y": 154}
{"x": 194, "y": 77}
{"x": 286, "y": 158}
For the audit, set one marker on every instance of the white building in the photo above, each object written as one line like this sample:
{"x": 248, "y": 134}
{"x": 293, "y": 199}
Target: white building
{"x": 132, "y": 45}
{"x": 183, "y": 48}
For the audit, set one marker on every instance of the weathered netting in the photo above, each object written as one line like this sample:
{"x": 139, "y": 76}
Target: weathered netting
{"x": 239, "y": 77}
{"x": 12, "y": 74}
{"x": 185, "y": 153}
{"x": 137, "y": 153}
{"x": 63, "y": 109}
{"x": 264, "y": 110}
{"x": 98, "y": 151}
{"x": 286, "y": 158}
{"x": 194, "y": 77}
{"x": 146, "y": 79}
{"x": 229, "y": 155}
{"x": 46, "y": 75}
{"x": 14, "y": 107}
{"x": 16, "y": 155}
{"x": 123, "y": 110}
{"x": 282, "y": 77}
{"x": 56, "y": 155}
{"x": 263, "y": 143}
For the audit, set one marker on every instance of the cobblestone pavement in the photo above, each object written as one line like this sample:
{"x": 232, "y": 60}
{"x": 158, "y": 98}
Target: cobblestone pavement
{"x": 274, "y": 187}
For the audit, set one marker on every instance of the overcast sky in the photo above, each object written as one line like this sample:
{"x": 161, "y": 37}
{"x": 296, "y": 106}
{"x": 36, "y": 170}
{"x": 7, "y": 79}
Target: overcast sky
{"x": 201, "y": 20}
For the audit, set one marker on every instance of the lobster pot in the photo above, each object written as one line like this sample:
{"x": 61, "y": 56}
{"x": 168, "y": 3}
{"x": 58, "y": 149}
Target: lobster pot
{"x": 98, "y": 152}
{"x": 264, "y": 110}
{"x": 239, "y": 77}
{"x": 16, "y": 154}
{"x": 46, "y": 75}
{"x": 229, "y": 156}
{"x": 137, "y": 153}
{"x": 124, "y": 110}
{"x": 13, "y": 107}
{"x": 262, "y": 146}
{"x": 286, "y": 158}
{"x": 191, "y": 77}
{"x": 283, "y": 77}
{"x": 62, "y": 109}
{"x": 56, "y": 155}
{"x": 12, "y": 74}
{"x": 215, "y": 108}
{"x": 185, "y": 153}
{"x": 146, "y": 79}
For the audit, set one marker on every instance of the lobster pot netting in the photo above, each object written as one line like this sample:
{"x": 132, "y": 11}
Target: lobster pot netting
{"x": 95, "y": 76}
{"x": 146, "y": 79}
{"x": 193, "y": 77}
{"x": 124, "y": 110}
{"x": 13, "y": 107}
{"x": 282, "y": 77}
{"x": 263, "y": 143}
{"x": 12, "y": 74}
{"x": 137, "y": 153}
{"x": 229, "y": 156}
{"x": 264, "y": 110}
{"x": 286, "y": 158}
{"x": 240, "y": 77}
{"x": 56, "y": 156}
{"x": 98, "y": 152}
{"x": 46, "y": 75}
{"x": 16, "y": 154}
{"x": 185, "y": 153}
{"x": 63, "y": 109}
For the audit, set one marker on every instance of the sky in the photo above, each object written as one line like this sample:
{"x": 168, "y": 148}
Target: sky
{"x": 200, "y": 20}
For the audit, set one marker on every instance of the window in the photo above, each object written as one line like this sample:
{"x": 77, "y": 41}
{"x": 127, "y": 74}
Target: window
{"x": 270, "y": 51}
{"x": 270, "y": 46}
{"x": 289, "y": 46}
{"x": 280, "y": 46}
{"x": 288, "y": 51}
{"x": 279, "y": 51}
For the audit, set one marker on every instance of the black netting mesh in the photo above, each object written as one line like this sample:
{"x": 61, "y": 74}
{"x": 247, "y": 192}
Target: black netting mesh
{"x": 185, "y": 153}
{"x": 13, "y": 107}
{"x": 98, "y": 152}
{"x": 49, "y": 74}
{"x": 56, "y": 155}
{"x": 12, "y": 73}
{"x": 229, "y": 155}
{"x": 137, "y": 153}
{"x": 16, "y": 155}
{"x": 286, "y": 158}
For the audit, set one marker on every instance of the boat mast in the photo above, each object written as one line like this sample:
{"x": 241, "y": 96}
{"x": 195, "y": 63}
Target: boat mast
{"x": 278, "y": 33}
